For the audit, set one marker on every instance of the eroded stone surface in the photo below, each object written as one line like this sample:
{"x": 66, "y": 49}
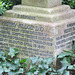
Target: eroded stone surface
{"x": 31, "y": 38}
{"x": 42, "y": 3}
{"x": 38, "y": 10}
{"x": 34, "y": 38}
{"x": 41, "y": 17}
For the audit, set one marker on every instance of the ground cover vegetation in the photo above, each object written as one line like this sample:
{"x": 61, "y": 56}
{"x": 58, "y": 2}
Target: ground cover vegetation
{"x": 7, "y": 4}
{"x": 69, "y": 2}
{"x": 11, "y": 65}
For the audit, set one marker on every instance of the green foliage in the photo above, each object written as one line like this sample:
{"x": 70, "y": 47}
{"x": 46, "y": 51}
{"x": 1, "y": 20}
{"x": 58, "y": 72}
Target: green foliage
{"x": 7, "y": 4}
{"x": 2, "y": 8}
{"x": 41, "y": 66}
{"x": 35, "y": 66}
{"x": 73, "y": 47}
{"x": 69, "y": 2}
{"x": 11, "y": 3}
{"x": 9, "y": 64}
{"x": 30, "y": 66}
{"x": 66, "y": 58}
{"x": 13, "y": 52}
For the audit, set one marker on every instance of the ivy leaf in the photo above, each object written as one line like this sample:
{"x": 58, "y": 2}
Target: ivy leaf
{"x": 53, "y": 69}
{"x": 17, "y": 62}
{"x": 61, "y": 70}
{"x": 74, "y": 66}
{"x": 13, "y": 67}
{"x": 12, "y": 73}
{"x": 62, "y": 55}
{"x": 49, "y": 60}
{"x": 68, "y": 51}
{"x": 67, "y": 73}
{"x": 1, "y": 70}
{"x": 28, "y": 61}
{"x": 73, "y": 47}
{"x": 33, "y": 68}
{"x": 73, "y": 55}
{"x": 3, "y": 58}
{"x": 20, "y": 71}
{"x": 65, "y": 62}
{"x": 23, "y": 61}
{"x": 43, "y": 73}
{"x": 36, "y": 72}
{"x": 6, "y": 69}
{"x": 8, "y": 64}
{"x": 53, "y": 74}
{"x": 2, "y": 55}
{"x": 12, "y": 52}
{"x": 50, "y": 69}
{"x": 29, "y": 73}
{"x": 45, "y": 61}
{"x": 25, "y": 65}
{"x": 45, "y": 66}
{"x": 4, "y": 66}
{"x": 34, "y": 60}
{"x": 40, "y": 66}
{"x": 70, "y": 67}
{"x": 39, "y": 60}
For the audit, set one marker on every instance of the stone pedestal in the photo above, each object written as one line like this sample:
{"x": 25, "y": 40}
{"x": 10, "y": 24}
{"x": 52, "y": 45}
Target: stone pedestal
{"x": 36, "y": 29}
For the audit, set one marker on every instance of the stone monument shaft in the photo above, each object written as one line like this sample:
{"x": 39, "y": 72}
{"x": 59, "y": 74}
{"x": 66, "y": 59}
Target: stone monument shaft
{"x": 42, "y": 3}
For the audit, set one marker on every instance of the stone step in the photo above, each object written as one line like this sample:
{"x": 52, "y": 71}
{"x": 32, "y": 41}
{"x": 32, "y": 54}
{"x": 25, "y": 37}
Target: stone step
{"x": 27, "y": 21}
{"x": 40, "y": 17}
{"x": 38, "y": 10}
{"x": 38, "y": 22}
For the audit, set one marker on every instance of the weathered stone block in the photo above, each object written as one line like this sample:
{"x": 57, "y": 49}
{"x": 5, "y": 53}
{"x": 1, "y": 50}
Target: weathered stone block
{"x": 42, "y": 3}
{"x": 43, "y": 40}
{"x": 38, "y": 10}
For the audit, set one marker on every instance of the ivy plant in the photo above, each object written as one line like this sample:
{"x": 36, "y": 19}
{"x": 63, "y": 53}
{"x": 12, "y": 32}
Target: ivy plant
{"x": 9, "y": 64}
{"x": 2, "y": 8}
{"x": 4, "y": 5}
{"x": 29, "y": 66}
{"x": 67, "y": 59}
{"x": 41, "y": 66}
{"x": 69, "y": 2}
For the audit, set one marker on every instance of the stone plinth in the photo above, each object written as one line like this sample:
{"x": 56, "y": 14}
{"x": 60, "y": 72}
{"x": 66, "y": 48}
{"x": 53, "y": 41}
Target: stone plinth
{"x": 38, "y": 30}
{"x": 34, "y": 38}
{"x": 42, "y": 3}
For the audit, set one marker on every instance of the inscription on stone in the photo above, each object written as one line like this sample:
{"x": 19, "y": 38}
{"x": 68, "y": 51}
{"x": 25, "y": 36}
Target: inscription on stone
{"x": 66, "y": 39}
{"x": 26, "y": 17}
{"x": 31, "y": 38}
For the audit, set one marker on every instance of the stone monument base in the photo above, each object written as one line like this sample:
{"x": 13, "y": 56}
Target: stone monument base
{"x": 36, "y": 31}
{"x": 34, "y": 38}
